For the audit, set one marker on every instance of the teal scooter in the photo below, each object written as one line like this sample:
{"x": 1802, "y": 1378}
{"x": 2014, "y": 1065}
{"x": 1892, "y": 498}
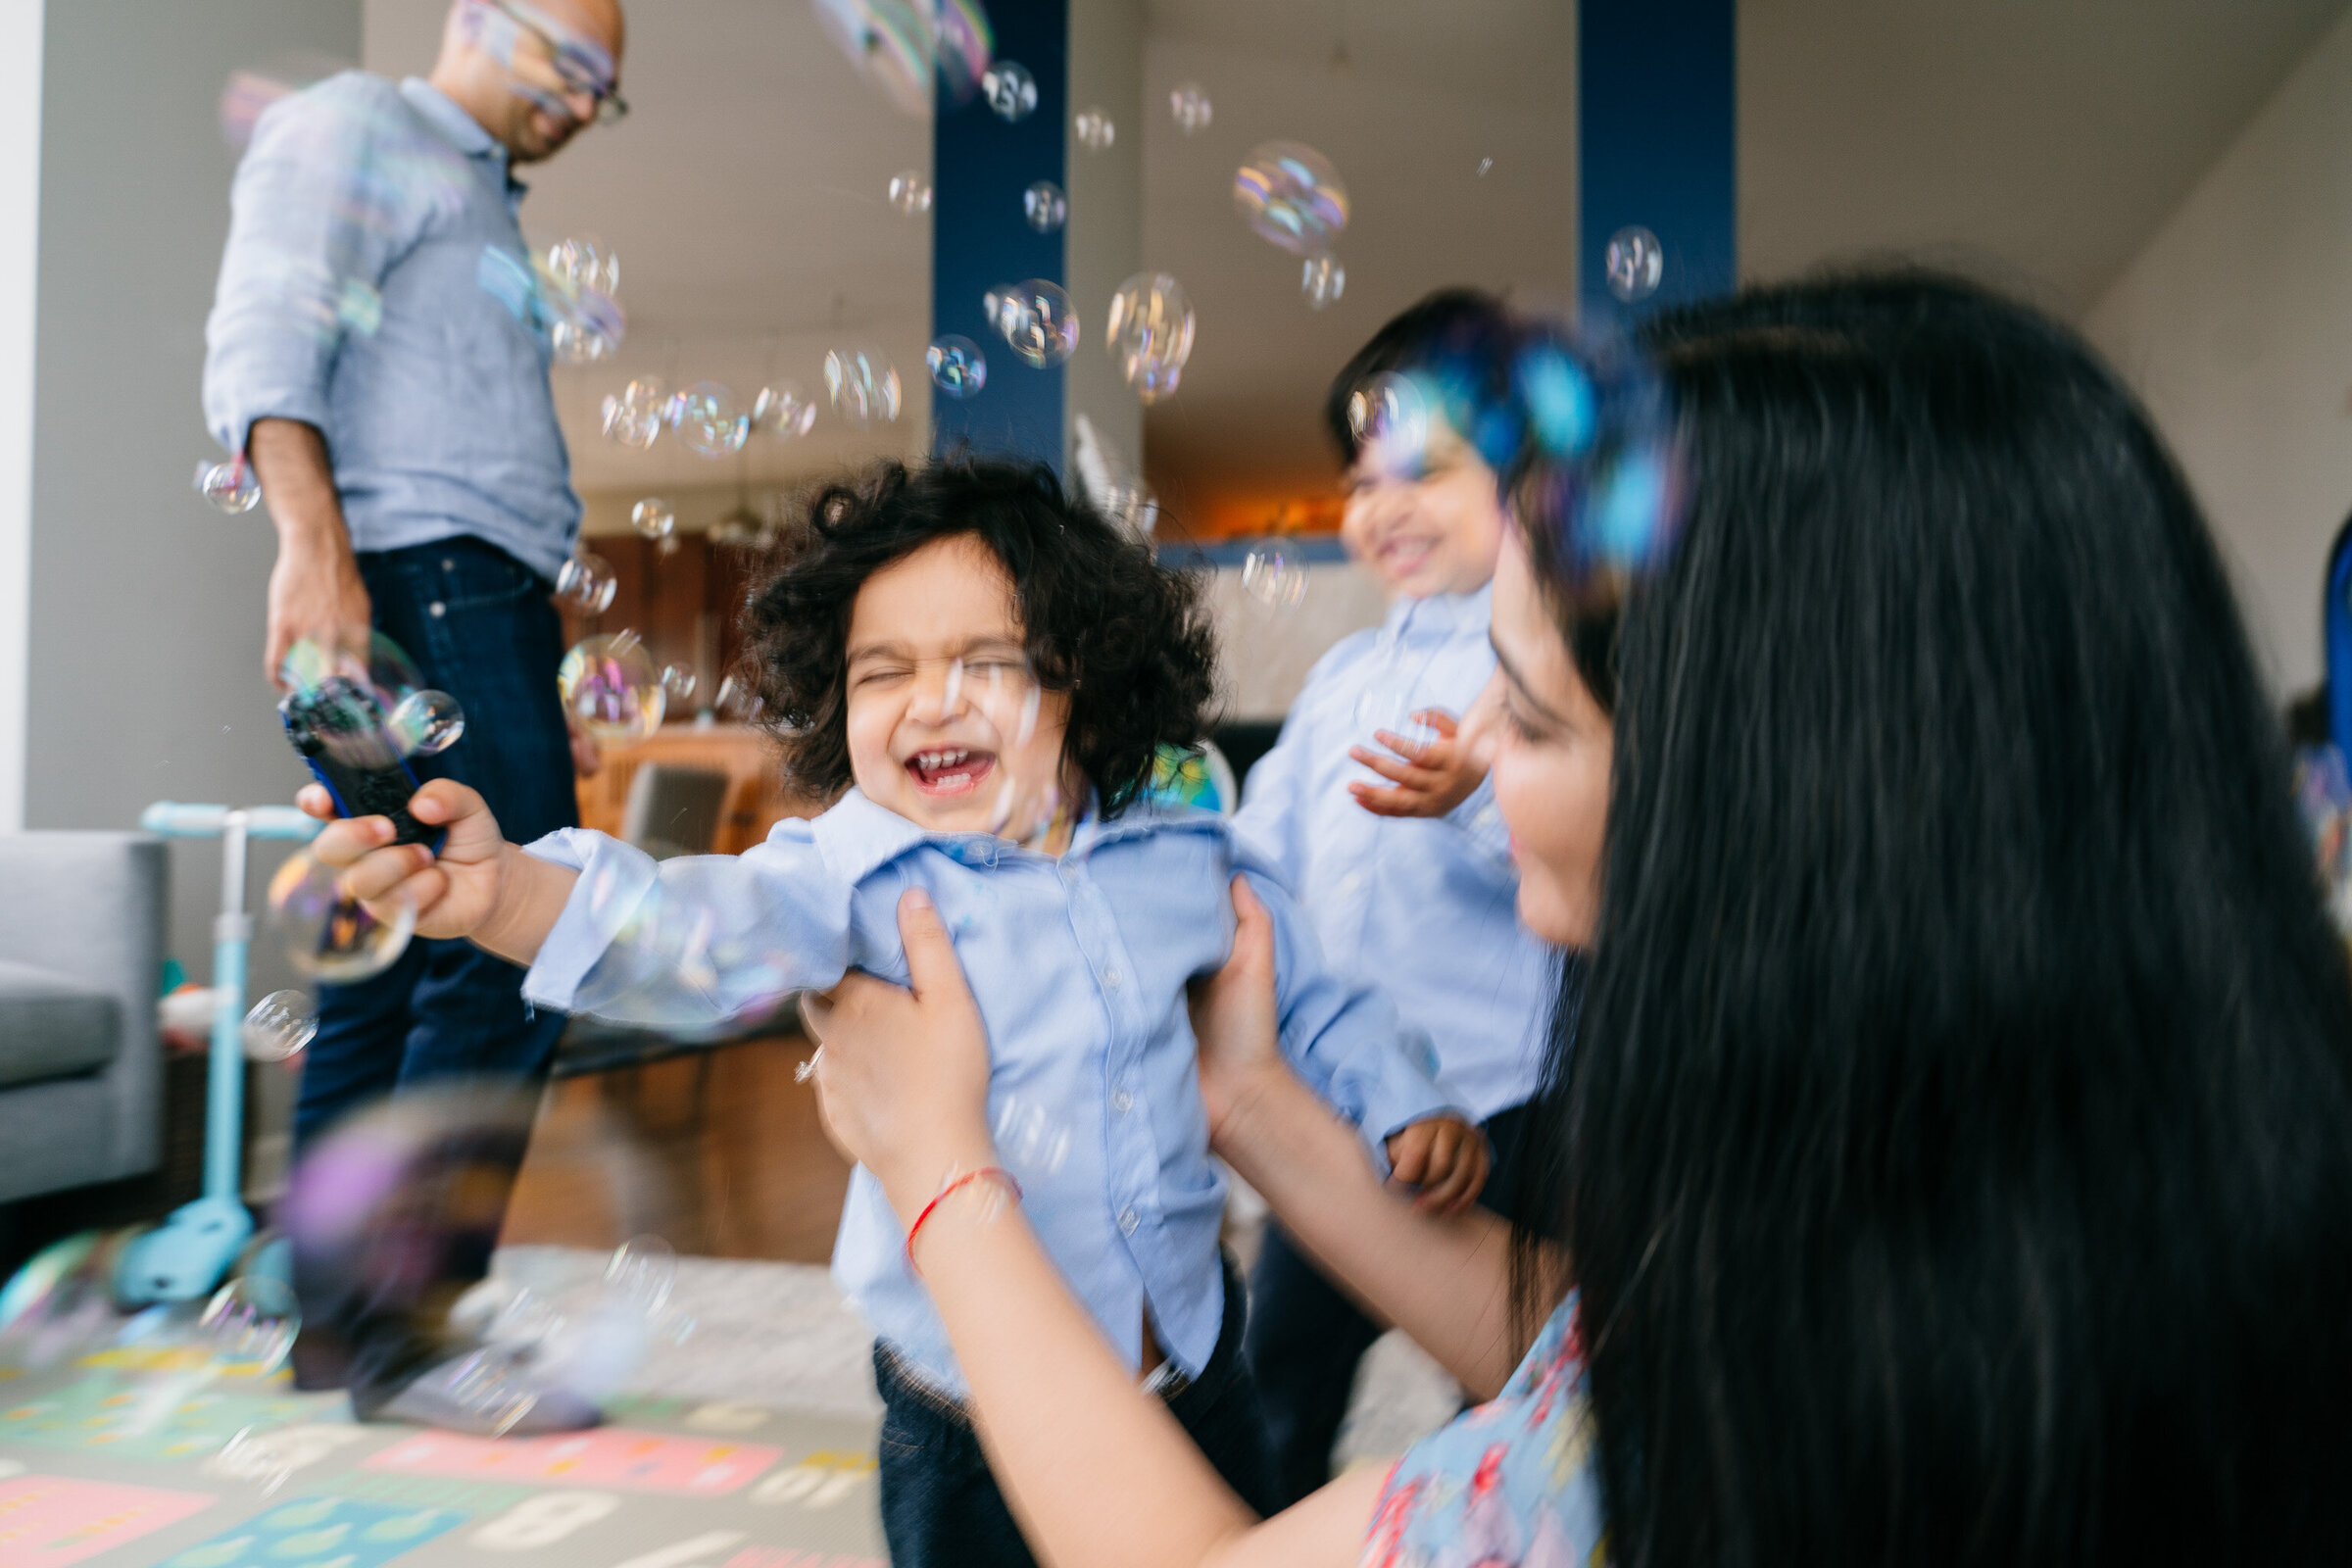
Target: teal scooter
{"x": 193, "y": 1250}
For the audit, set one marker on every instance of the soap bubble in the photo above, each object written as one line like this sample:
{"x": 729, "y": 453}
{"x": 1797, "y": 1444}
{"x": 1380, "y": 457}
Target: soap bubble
{"x": 1094, "y": 129}
{"x": 427, "y": 722}
{"x": 330, "y": 937}
{"x": 1634, "y": 263}
{"x": 1133, "y": 507}
{"x": 986, "y": 713}
{"x": 1045, "y": 206}
{"x": 248, "y": 1328}
{"x": 784, "y": 411}
{"x": 610, "y": 685}
{"x": 735, "y": 700}
{"x": 254, "y": 88}
{"x": 1191, "y": 107}
{"x": 1390, "y": 707}
{"x": 587, "y": 582}
{"x": 229, "y": 486}
{"x": 1292, "y": 196}
{"x": 582, "y": 263}
{"x": 376, "y": 670}
{"x": 1273, "y": 574}
{"x": 279, "y": 1026}
{"x": 1037, "y": 319}
{"x": 1032, "y": 1136}
{"x": 1010, "y": 90}
{"x": 652, "y": 519}
{"x": 890, "y": 43}
{"x": 964, "y": 42}
{"x": 1322, "y": 281}
{"x": 678, "y": 681}
{"x": 641, "y": 1273}
{"x": 635, "y": 415}
{"x": 1389, "y": 415}
{"x": 909, "y": 193}
{"x": 957, "y": 366}
{"x": 1150, "y": 333}
{"x": 707, "y": 419}
{"x": 863, "y": 385}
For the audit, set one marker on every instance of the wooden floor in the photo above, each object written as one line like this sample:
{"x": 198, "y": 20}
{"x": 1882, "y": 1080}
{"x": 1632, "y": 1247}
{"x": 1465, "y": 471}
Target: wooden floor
{"x": 719, "y": 1153}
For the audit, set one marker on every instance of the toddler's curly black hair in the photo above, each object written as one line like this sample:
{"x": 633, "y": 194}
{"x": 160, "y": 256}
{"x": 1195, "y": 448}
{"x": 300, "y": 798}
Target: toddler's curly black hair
{"x": 1126, "y": 638}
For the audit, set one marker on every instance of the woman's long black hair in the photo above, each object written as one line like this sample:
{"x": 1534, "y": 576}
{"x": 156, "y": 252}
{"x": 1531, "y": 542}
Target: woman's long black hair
{"x": 1956, "y": 1156}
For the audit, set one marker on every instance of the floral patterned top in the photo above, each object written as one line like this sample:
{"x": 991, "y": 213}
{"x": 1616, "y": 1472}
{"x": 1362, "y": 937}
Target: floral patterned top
{"x": 1510, "y": 1484}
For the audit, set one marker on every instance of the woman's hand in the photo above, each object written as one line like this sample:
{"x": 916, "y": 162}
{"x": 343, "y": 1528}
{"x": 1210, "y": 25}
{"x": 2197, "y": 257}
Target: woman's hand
{"x": 902, "y": 1076}
{"x": 457, "y": 892}
{"x": 1233, "y": 1017}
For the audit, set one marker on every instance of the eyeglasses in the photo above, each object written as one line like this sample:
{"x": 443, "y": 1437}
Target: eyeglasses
{"x": 583, "y": 67}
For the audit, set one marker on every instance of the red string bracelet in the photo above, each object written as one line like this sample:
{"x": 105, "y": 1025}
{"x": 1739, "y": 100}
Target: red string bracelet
{"x": 954, "y": 1185}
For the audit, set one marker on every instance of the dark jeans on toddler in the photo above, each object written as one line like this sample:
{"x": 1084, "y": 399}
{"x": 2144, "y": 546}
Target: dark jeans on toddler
{"x": 941, "y": 1507}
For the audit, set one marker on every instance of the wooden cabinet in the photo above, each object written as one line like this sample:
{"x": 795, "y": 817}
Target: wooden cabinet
{"x": 756, "y": 799}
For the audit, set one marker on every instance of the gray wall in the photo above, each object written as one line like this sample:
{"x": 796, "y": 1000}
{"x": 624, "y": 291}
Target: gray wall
{"x": 145, "y": 678}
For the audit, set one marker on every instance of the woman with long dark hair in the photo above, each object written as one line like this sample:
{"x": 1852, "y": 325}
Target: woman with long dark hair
{"x": 1954, "y": 1160}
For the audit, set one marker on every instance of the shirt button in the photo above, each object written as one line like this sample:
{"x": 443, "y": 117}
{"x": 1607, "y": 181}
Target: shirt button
{"x": 449, "y": 562}
{"x": 1127, "y": 1222}
{"x": 436, "y": 610}
{"x": 1110, "y": 978}
{"x": 1069, "y": 873}
{"x": 1122, "y": 1101}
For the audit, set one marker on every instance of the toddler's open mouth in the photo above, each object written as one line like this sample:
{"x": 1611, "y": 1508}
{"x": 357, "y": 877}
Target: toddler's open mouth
{"x": 950, "y": 770}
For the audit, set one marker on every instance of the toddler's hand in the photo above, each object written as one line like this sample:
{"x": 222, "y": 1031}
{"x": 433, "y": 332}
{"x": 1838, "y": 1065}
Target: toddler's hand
{"x": 1445, "y": 1157}
{"x": 1431, "y": 777}
{"x": 455, "y": 892}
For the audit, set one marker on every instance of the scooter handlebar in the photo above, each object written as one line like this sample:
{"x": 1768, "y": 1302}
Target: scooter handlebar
{"x": 174, "y": 821}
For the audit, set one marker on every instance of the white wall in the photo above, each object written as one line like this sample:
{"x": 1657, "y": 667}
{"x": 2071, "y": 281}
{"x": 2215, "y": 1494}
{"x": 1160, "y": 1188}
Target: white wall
{"x": 144, "y": 679}
{"x": 20, "y": 251}
{"x": 2235, "y": 325}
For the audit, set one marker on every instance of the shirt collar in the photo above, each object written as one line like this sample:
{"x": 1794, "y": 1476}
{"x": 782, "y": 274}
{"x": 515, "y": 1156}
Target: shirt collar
{"x": 1442, "y": 615}
{"x": 455, "y": 125}
{"x": 857, "y": 836}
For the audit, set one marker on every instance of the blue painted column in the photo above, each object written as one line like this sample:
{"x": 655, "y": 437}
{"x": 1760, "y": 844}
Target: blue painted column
{"x": 980, "y": 238}
{"x": 1657, "y": 143}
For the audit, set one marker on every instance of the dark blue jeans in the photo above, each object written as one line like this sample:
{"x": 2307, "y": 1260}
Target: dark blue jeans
{"x": 941, "y": 1507}
{"x": 1306, "y": 1338}
{"x": 480, "y": 627}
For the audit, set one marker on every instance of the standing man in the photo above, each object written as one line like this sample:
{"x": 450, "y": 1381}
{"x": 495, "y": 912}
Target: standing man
{"x": 369, "y": 356}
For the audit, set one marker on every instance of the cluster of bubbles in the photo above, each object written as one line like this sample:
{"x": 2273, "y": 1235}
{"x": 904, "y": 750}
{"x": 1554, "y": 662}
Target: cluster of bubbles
{"x": 1150, "y": 334}
{"x": 1045, "y": 207}
{"x": 708, "y": 419}
{"x": 1094, "y": 129}
{"x": 909, "y": 193}
{"x": 1190, "y": 106}
{"x": 863, "y": 386}
{"x": 1291, "y": 197}
{"x": 576, "y": 301}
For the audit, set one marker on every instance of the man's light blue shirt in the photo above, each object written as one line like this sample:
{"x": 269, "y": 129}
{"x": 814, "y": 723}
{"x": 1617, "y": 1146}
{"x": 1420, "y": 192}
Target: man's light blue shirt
{"x": 1426, "y": 907}
{"x": 1079, "y": 966}
{"x": 367, "y": 289}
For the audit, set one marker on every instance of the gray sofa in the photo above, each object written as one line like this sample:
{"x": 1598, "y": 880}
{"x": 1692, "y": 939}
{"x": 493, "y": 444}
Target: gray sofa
{"x": 82, "y": 932}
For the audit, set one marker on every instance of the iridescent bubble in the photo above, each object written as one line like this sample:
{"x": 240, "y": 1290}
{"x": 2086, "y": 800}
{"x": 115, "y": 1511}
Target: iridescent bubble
{"x": 1392, "y": 708}
{"x": 1038, "y": 320}
{"x": 1388, "y": 415}
{"x": 1011, "y": 91}
{"x": 1634, "y": 263}
{"x": 641, "y": 1273}
{"x": 707, "y": 419}
{"x": 909, "y": 193}
{"x": 666, "y": 547}
{"x": 229, "y": 486}
{"x": 1045, "y": 206}
{"x": 248, "y": 1327}
{"x": 890, "y": 43}
{"x": 678, "y": 680}
{"x": 1150, "y": 333}
{"x": 427, "y": 722}
{"x": 1191, "y": 107}
{"x": 1322, "y": 281}
{"x": 863, "y": 385}
{"x": 608, "y": 683}
{"x": 279, "y": 1026}
{"x": 1094, "y": 129}
{"x": 328, "y": 936}
{"x": 964, "y": 42}
{"x": 957, "y": 366}
{"x": 376, "y": 669}
{"x": 586, "y": 581}
{"x": 1033, "y": 1135}
{"x": 582, "y": 261}
{"x": 736, "y": 701}
{"x": 784, "y": 411}
{"x": 1134, "y": 508}
{"x": 652, "y": 519}
{"x": 635, "y": 416}
{"x": 1273, "y": 574}
{"x": 1291, "y": 196}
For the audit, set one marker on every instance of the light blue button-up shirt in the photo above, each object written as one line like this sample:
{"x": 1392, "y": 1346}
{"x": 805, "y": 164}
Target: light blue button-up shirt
{"x": 1425, "y": 907}
{"x": 1079, "y": 966}
{"x": 367, "y": 291}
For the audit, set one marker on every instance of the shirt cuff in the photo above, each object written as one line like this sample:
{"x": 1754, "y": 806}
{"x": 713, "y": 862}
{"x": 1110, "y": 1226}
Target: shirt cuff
{"x": 615, "y": 879}
{"x": 235, "y": 430}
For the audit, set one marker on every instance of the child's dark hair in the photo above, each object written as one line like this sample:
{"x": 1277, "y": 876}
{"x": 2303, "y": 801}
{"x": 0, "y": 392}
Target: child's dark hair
{"x": 1456, "y": 346}
{"x": 1126, "y": 638}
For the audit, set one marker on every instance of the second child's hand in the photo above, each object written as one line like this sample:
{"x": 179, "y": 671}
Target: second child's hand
{"x": 1426, "y": 778}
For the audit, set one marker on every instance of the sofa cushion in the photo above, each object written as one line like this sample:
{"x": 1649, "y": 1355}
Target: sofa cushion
{"x": 51, "y": 1027}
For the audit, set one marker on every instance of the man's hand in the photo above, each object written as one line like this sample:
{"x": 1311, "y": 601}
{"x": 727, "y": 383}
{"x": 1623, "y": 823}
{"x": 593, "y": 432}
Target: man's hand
{"x": 314, "y": 589}
{"x": 1445, "y": 1157}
